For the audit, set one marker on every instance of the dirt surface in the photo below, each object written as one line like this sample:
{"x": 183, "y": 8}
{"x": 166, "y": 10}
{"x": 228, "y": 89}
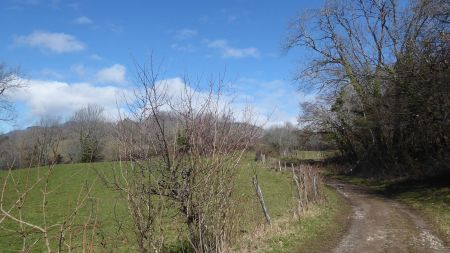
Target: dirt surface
{"x": 379, "y": 224}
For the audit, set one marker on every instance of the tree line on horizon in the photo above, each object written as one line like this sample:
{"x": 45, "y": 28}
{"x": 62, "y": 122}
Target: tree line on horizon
{"x": 87, "y": 136}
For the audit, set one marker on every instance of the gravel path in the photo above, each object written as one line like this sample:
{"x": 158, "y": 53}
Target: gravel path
{"x": 382, "y": 225}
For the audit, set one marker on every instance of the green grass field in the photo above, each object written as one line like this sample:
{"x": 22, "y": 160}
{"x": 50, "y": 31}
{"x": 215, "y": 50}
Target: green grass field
{"x": 106, "y": 208}
{"x": 319, "y": 230}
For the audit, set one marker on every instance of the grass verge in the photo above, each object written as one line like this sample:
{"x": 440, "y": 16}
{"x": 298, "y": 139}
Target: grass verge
{"x": 319, "y": 230}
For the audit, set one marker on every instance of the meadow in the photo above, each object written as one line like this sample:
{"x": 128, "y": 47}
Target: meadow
{"x": 104, "y": 222}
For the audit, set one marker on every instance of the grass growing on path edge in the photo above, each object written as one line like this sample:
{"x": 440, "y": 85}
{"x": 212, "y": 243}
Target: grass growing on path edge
{"x": 319, "y": 230}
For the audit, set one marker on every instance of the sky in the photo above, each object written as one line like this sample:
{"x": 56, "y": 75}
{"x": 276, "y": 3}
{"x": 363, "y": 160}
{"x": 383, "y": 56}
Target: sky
{"x": 72, "y": 53}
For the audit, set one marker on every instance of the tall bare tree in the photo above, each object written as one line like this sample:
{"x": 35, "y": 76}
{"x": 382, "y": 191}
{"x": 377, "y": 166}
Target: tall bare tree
{"x": 358, "y": 48}
{"x": 89, "y": 124}
{"x": 283, "y": 138}
{"x": 9, "y": 81}
{"x": 48, "y": 136}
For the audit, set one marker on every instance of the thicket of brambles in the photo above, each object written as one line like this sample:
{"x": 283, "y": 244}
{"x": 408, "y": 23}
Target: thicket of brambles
{"x": 382, "y": 69}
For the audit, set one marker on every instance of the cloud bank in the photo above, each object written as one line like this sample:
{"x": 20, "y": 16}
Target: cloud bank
{"x": 50, "y": 98}
{"x": 271, "y": 102}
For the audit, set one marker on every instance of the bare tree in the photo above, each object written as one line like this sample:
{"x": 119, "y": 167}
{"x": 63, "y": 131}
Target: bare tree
{"x": 364, "y": 53}
{"x": 9, "y": 81}
{"x": 45, "y": 140}
{"x": 89, "y": 123}
{"x": 283, "y": 138}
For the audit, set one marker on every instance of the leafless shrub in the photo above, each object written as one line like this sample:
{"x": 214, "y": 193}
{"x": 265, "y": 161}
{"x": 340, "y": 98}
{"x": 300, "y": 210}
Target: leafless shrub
{"x": 308, "y": 185}
{"x": 182, "y": 152}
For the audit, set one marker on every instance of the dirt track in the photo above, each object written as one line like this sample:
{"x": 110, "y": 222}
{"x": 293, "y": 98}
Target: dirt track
{"x": 379, "y": 224}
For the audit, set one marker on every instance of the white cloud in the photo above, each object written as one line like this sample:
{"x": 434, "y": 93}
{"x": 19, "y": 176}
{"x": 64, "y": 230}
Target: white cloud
{"x": 230, "y": 52}
{"x": 185, "y": 34}
{"x": 55, "y": 42}
{"x": 114, "y": 74}
{"x": 83, "y": 20}
{"x": 271, "y": 102}
{"x": 79, "y": 69}
{"x": 53, "y": 98}
{"x": 44, "y": 98}
{"x": 276, "y": 100}
{"x": 175, "y": 90}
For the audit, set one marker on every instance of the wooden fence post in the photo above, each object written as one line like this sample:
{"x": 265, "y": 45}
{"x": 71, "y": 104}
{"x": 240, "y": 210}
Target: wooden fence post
{"x": 261, "y": 198}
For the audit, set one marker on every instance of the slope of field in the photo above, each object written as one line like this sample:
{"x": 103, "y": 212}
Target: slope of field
{"x": 106, "y": 217}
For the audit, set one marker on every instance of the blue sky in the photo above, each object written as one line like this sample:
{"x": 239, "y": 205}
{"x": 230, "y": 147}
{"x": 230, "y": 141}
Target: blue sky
{"x": 78, "y": 52}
